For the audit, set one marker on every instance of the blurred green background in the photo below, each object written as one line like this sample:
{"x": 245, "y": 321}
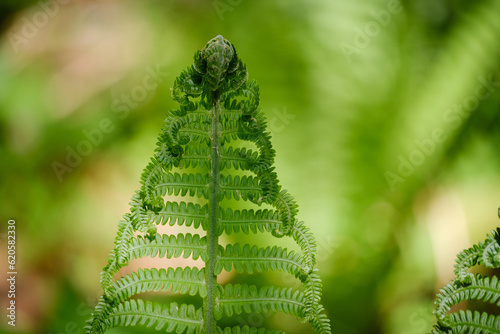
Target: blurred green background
{"x": 384, "y": 116}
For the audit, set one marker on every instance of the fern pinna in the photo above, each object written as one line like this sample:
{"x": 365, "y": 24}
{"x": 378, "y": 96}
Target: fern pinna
{"x": 468, "y": 287}
{"x": 200, "y": 153}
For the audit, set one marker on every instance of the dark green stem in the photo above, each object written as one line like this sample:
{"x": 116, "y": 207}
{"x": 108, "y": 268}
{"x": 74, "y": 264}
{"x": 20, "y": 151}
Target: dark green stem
{"x": 212, "y": 237}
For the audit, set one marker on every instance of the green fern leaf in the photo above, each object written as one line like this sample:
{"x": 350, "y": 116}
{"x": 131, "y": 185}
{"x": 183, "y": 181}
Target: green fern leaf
{"x": 244, "y": 298}
{"x": 168, "y": 246}
{"x": 199, "y": 157}
{"x": 471, "y": 287}
{"x": 182, "y": 213}
{"x": 480, "y": 288}
{"x": 172, "y": 319}
{"x": 248, "y": 221}
{"x": 466, "y": 260}
{"x": 468, "y": 322}
{"x": 182, "y": 280}
{"x": 249, "y": 258}
{"x": 177, "y": 184}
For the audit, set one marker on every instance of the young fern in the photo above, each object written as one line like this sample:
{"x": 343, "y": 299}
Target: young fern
{"x": 468, "y": 286}
{"x": 218, "y": 109}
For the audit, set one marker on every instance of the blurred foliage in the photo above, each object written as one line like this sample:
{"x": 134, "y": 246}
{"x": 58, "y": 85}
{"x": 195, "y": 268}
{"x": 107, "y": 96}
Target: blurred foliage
{"x": 384, "y": 116}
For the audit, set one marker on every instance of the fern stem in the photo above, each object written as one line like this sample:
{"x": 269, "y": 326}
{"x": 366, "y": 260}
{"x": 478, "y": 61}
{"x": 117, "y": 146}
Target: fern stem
{"x": 212, "y": 237}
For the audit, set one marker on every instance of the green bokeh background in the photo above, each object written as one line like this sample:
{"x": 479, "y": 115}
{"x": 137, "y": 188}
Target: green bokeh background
{"x": 384, "y": 117}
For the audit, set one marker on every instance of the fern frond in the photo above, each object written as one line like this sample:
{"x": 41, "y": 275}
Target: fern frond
{"x": 218, "y": 114}
{"x": 487, "y": 254}
{"x": 306, "y": 242}
{"x": 319, "y": 321}
{"x": 249, "y": 220}
{"x": 239, "y": 158}
{"x": 471, "y": 287}
{"x": 313, "y": 287}
{"x": 97, "y": 321}
{"x": 182, "y": 213}
{"x": 125, "y": 233}
{"x": 178, "y": 280}
{"x": 109, "y": 270}
{"x": 251, "y": 91}
{"x": 175, "y": 184}
{"x": 232, "y": 131}
{"x": 248, "y": 298}
{"x": 194, "y": 131}
{"x": 139, "y": 214}
{"x": 481, "y": 288}
{"x": 168, "y": 246}
{"x": 468, "y": 322}
{"x": 195, "y": 156}
{"x": 249, "y": 258}
{"x": 163, "y": 246}
{"x": 172, "y": 319}
{"x": 177, "y": 127}
{"x": 245, "y": 188}
{"x": 466, "y": 259}
{"x": 182, "y": 280}
{"x": 490, "y": 257}
{"x": 288, "y": 210}
{"x": 166, "y": 153}
{"x": 151, "y": 176}
{"x": 183, "y": 90}
{"x": 315, "y": 311}
{"x": 268, "y": 181}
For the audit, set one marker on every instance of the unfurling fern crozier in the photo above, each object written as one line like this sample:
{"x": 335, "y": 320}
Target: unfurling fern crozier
{"x": 201, "y": 152}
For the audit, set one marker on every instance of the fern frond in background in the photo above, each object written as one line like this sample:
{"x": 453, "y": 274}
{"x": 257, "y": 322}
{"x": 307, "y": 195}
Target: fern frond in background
{"x": 200, "y": 153}
{"x": 467, "y": 287}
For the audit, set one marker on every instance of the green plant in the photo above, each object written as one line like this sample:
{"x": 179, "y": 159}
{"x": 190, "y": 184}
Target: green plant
{"x": 195, "y": 156}
{"x": 468, "y": 286}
